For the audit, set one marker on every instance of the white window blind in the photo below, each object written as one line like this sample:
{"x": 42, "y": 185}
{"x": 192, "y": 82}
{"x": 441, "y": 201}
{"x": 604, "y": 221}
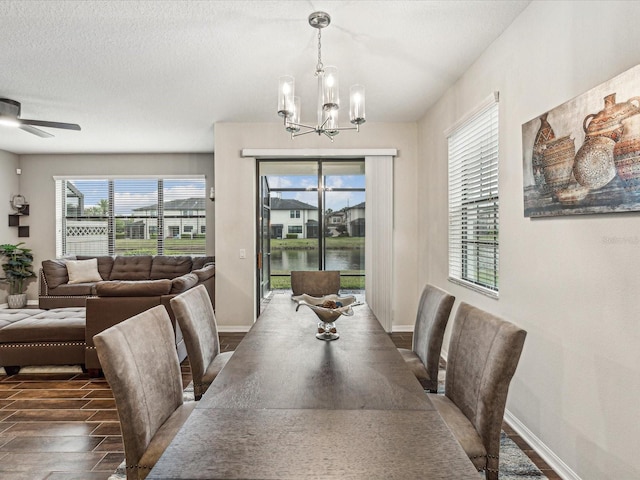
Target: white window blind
{"x": 474, "y": 202}
{"x": 130, "y": 216}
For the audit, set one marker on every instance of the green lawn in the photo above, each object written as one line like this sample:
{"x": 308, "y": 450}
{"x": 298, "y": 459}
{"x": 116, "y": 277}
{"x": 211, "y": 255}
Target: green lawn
{"x": 172, "y": 246}
{"x": 312, "y": 243}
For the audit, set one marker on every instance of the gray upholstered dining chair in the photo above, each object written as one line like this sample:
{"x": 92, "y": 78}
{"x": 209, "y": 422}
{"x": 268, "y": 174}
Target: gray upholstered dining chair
{"x": 424, "y": 357}
{"x": 484, "y": 351}
{"x": 195, "y": 316}
{"x": 140, "y": 362}
{"x": 315, "y": 283}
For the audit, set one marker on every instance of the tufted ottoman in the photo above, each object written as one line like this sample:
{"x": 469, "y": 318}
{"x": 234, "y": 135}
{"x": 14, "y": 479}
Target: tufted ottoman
{"x": 32, "y": 336}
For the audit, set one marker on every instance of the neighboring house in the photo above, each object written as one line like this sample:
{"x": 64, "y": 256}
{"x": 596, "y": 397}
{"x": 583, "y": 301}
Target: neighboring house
{"x": 349, "y": 220}
{"x": 89, "y": 236}
{"x": 355, "y": 220}
{"x": 181, "y": 217}
{"x": 293, "y": 217}
{"x": 332, "y": 222}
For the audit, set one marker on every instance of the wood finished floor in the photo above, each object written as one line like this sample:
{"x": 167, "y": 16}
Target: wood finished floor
{"x": 65, "y": 426}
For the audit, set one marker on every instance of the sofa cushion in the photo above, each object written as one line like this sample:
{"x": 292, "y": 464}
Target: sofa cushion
{"x": 83, "y": 271}
{"x": 73, "y": 289}
{"x": 183, "y": 283}
{"x": 105, "y": 264}
{"x": 136, "y": 288}
{"x": 131, "y": 268}
{"x": 169, "y": 267}
{"x": 199, "y": 262}
{"x": 205, "y": 273}
{"x": 57, "y": 325}
{"x": 55, "y": 272}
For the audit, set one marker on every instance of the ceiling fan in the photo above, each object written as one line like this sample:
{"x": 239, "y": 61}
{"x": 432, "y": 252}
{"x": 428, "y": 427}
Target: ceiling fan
{"x": 10, "y": 116}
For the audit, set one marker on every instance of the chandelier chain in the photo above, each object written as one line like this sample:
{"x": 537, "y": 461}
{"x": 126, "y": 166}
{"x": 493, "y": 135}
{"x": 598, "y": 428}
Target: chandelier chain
{"x": 319, "y": 65}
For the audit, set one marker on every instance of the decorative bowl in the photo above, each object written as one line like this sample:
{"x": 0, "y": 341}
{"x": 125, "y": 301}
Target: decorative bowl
{"x": 328, "y": 309}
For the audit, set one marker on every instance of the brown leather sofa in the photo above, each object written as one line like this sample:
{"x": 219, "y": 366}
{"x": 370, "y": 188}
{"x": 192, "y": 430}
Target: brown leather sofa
{"x": 129, "y": 285}
{"x": 55, "y": 291}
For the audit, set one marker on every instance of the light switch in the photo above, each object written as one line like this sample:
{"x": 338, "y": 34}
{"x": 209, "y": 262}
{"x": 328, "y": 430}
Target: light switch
{"x": 243, "y": 253}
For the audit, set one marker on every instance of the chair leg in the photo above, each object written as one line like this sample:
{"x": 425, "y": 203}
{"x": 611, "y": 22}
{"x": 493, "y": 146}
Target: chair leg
{"x": 491, "y": 474}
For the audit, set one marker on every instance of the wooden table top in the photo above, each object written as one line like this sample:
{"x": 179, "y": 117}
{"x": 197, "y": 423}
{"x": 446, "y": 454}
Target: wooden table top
{"x": 290, "y": 406}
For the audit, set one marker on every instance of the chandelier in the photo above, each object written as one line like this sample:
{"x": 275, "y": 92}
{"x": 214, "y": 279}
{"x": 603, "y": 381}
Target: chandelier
{"x": 328, "y": 98}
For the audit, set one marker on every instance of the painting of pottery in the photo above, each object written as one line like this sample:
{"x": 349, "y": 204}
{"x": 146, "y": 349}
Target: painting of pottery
{"x": 583, "y": 157}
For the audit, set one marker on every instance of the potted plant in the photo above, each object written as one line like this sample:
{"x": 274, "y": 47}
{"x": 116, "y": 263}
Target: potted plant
{"x": 17, "y": 269}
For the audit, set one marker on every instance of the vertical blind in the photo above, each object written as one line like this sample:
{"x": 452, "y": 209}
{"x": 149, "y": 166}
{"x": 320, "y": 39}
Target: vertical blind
{"x": 474, "y": 202}
{"x": 130, "y": 216}
{"x": 379, "y": 238}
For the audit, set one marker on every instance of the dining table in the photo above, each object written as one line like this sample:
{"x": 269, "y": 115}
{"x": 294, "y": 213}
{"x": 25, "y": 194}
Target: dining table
{"x": 288, "y": 405}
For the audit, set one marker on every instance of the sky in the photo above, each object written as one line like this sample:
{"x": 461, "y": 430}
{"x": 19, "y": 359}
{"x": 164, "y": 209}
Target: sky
{"x": 335, "y": 200}
{"x": 136, "y": 193}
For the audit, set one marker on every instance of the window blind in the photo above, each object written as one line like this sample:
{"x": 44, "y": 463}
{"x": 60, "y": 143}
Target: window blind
{"x": 474, "y": 202}
{"x": 130, "y": 216}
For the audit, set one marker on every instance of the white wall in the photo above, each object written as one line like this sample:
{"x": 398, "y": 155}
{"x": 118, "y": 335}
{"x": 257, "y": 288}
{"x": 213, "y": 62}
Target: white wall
{"x": 9, "y": 185}
{"x": 236, "y": 211}
{"x": 562, "y": 279}
{"x": 37, "y": 185}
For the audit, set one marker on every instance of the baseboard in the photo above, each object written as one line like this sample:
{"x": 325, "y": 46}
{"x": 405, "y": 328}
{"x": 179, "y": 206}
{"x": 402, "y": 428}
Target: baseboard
{"x": 555, "y": 462}
{"x": 233, "y": 329}
{"x": 402, "y": 328}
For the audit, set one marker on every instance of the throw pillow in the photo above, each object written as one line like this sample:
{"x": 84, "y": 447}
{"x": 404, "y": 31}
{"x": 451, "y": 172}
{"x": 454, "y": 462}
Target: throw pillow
{"x": 83, "y": 271}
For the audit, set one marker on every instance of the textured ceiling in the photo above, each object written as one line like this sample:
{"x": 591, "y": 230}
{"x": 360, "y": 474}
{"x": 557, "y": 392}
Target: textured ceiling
{"x": 155, "y": 76}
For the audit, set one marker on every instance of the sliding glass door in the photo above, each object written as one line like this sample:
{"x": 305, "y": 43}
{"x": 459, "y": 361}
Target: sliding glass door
{"x": 316, "y": 210}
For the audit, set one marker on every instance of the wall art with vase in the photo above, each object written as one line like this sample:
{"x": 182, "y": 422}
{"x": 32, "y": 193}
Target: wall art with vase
{"x": 584, "y": 156}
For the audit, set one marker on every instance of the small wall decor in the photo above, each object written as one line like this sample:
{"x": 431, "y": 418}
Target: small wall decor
{"x": 20, "y": 205}
{"x": 584, "y": 155}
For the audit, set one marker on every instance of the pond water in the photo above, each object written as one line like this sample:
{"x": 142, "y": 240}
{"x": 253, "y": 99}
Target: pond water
{"x": 287, "y": 260}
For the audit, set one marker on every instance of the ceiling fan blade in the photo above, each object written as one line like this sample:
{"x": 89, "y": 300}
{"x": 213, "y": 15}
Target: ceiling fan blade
{"x": 42, "y": 123}
{"x": 35, "y": 131}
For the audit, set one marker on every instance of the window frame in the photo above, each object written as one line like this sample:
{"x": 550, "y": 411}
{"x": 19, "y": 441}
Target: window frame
{"x": 157, "y": 217}
{"x": 474, "y": 200}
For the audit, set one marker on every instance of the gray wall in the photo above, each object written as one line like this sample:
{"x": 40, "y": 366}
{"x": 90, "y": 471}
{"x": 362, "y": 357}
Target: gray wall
{"x": 9, "y": 185}
{"x": 37, "y": 185}
{"x": 574, "y": 290}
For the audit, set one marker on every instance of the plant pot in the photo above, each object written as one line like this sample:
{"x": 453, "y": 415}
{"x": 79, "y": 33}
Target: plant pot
{"x": 17, "y": 301}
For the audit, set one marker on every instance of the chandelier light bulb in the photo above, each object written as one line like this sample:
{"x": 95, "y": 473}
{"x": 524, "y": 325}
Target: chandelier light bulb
{"x": 330, "y": 89}
{"x": 356, "y": 105}
{"x": 286, "y": 85}
{"x": 331, "y": 124}
{"x": 293, "y": 122}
